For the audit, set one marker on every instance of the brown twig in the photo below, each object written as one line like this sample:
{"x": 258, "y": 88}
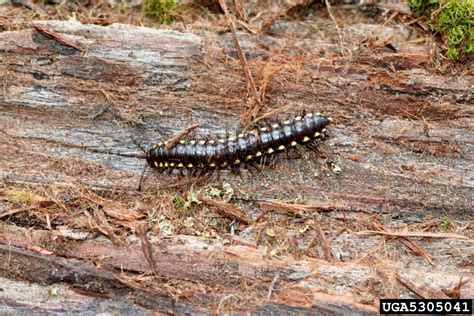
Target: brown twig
{"x": 272, "y": 286}
{"x": 410, "y": 244}
{"x": 267, "y": 115}
{"x": 56, "y": 37}
{"x": 227, "y": 210}
{"x": 247, "y": 26}
{"x": 99, "y": 223}
{"x": 17, "y": 210}
{"x": 324, "y": 242}
{"x": 240, "y": 53}
{"x": 391, "y": 17}
{"x": 414, "y": 234}
{"x": 146, "y": 248}
{"x": 268, "y": 73}
{"x": 294, "y": 208}
{"x": 455, "y": 292}
{"x": 173, "y": 141}
{"x": 341, "y": 38}
{"x": 239, "y": 9}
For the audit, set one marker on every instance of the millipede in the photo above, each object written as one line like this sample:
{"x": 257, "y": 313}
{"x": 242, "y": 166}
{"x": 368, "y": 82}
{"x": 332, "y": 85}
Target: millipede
{"x": 250, "y": 148}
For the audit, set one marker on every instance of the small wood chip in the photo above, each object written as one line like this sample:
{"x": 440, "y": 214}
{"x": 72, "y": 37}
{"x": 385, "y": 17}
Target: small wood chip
{"x": 173, "y": 141}
{"x": 56, "y": 37}
{"x": 227, "y": 210}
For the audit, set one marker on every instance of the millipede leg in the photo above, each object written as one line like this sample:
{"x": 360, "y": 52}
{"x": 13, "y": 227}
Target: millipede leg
{"x": 272, "y": 161}
{"x": 293, "y": 153}
{"x": 254, "y": 165}
{"x": 202, "y": 172}
{"x": 194, "y": 172}
{"x": 235, "y": 170}
{"x": 313, "y": 146}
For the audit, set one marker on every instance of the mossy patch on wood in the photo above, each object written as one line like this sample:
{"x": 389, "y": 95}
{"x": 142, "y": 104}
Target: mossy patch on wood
{"x": 160, "y": 10}
{"x": 453, "y": 19}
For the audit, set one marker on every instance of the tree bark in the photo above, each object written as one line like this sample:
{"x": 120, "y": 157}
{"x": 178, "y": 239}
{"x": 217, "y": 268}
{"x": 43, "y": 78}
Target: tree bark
{"x": 400, "y": 153}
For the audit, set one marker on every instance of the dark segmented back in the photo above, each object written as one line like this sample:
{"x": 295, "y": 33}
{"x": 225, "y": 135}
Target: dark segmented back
{"x": 231, "y": 152}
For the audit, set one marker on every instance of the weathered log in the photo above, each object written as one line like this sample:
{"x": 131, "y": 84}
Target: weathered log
{"x": 401, "y": 148}
{"x": 297, "y": 285}
{"x": 153, "y": 83}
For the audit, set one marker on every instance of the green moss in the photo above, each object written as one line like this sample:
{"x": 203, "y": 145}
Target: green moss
{"x": 446, "y": 224}
{"x": 454, "y": 13}
{"x": 420, "y": 6}
{"x": 183, "y": 205}
{"x": 179, "y": 203}
{"x": 452, "y": 53}
{"x": 19, "y": 195}
{"x": 469, "y": 48}
{"x": 160, "y": 10}
{"x": 454, "y": 20}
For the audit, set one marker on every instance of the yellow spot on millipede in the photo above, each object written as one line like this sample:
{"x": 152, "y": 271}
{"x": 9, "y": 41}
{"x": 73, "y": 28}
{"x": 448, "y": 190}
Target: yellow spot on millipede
{"x": 211, "y": 142}
{"x": 287, "y": 122}
{"x": 281, "y": 147}
{"x": 258, "y": 154}
{"x": 263, "y": 129}
{"x": 182, "y": 141}
{"x": 202, "y": 142}
{"x": 309, "y": 115}
{"x": 171, "y": 164}
{"x": 190, "y": 165}
{"x": 240, "y": 135}
{"x": 275, "y": 126}
{"x": 156, "y": 164}
{"x": 237, "y": 161}
{"x": 167, "y": 164}
{"x": 298, "y": 118}
{"x": 293, "y": 143}
{"x": 249, "y": 157}
{"x": 193, "y": 142}
{"x": 305, "y": 139}
{"x": 317, "y": 134}
{"x": 212, "y": 165}
{"x": 161, "y": 165}
{"x": 180, "y": 165}
{"x": 224, "y": 164}
{"x": 270, "y": 150}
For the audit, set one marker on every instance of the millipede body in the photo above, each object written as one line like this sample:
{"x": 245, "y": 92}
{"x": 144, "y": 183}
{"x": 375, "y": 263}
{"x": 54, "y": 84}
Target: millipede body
{"x": 248, "y": 148}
